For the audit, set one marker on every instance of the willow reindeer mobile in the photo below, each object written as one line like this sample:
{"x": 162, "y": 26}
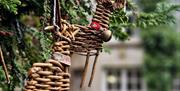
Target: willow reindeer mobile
{"x": 54, "y": 75}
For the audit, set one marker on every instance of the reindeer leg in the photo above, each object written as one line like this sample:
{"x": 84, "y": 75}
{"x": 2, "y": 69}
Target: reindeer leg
{"x": 93, "y": 69}
{"x": 85, "y": 70}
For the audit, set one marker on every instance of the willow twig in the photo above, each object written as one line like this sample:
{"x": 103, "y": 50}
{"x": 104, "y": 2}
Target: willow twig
{"x": 4, "y": 66}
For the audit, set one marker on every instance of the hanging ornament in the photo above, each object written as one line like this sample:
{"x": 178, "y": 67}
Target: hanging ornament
{"x": 106, "y": 35}
{"x": 95, "y": 25}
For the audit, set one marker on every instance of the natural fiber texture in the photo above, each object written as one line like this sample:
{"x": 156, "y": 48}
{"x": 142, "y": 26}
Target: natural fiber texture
{"x": 4, "y": 66}
{"x": 86, "y": 40}
{"x": 54, "y": 74}
{"x": 49, "y": 76}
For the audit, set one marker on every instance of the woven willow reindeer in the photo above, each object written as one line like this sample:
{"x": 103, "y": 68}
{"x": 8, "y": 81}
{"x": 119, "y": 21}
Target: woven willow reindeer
{"x": 84, "y": 40}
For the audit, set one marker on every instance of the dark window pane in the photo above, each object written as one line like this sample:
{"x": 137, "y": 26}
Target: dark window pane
{"x": 134, "y": 80}
{"x": 109, "y": 86}
{"x": 118, "y": 85}
{"x": 129, "y": 74}
{"x": 139, "y": 85}
{"x": 129, "y": 86}
{"x": 113, "y": 75}
{"x": 139, "y": 74}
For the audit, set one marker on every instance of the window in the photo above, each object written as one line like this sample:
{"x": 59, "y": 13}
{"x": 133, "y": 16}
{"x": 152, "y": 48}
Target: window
{"x": 113, "y": 81}
{"x": 134, "y": 80}
{"x": 124, "y": 80}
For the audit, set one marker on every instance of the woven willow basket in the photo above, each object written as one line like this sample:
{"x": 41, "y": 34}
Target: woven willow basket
{"x": 49, "y": 76}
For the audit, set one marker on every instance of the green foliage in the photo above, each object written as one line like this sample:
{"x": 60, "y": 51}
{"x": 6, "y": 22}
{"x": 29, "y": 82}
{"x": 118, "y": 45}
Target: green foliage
{"x": 10, "y": 5}
{"x": 2, "y": 78}
{"x": 149, "y": 5}
{"x": 118, "y": 21}
{"x": 162, "y": 15}
{"x": 45, "y": 43}
{"x": 76, "y": 13}
{"x": 106, "y": 49}
{"x": 162, "y": 47}
{"x": 161, "y": 43}
{"x": 162, "y": 38}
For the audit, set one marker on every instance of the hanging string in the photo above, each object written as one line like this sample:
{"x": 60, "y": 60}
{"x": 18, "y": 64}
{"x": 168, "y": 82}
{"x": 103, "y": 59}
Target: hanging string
{"x": 54, "y": 16}
{"x": 125, "y": 5}
{"x": 58, "y": 13}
